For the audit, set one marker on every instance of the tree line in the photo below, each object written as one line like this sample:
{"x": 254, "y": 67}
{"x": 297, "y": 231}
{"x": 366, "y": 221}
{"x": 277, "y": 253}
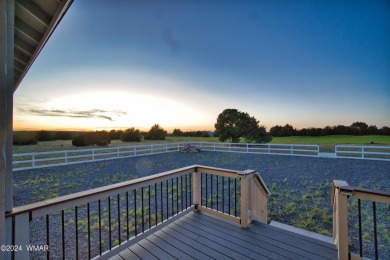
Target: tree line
{"x": 99, "y": 138}
{"x": 356, "y": 128}
{"x": 179, "y": 133}
{"x": 231, "y": 125}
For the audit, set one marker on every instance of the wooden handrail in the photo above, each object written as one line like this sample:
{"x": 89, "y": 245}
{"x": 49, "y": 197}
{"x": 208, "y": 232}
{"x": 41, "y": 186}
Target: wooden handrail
{"x": 341, "y": 191}
{"x": 78, "y": 198}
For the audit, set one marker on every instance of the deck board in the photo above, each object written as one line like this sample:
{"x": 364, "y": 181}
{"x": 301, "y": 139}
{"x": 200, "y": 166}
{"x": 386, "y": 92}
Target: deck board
{"x": 201, "y": 236}
{"x": 141, "y": 252}
{"x": 164, "y": 245}
{"x": 175, "y": 242}
{"x": 257, "y": 239}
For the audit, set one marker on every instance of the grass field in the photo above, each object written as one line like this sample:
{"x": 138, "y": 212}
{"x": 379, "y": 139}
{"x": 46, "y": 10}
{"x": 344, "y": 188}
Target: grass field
{"x": 326, "y": 143}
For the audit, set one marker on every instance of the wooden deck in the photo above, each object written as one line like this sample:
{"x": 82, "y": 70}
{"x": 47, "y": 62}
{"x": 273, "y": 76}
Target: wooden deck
{"x": 200, "y": 236}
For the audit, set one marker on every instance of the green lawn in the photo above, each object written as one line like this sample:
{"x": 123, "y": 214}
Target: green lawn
{"x": 335, "y": 139}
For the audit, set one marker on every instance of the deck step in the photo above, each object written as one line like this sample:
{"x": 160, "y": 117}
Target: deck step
{"x": 302, "y": 232}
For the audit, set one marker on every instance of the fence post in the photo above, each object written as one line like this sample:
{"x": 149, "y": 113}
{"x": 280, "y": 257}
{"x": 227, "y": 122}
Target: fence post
{"x": 247, "y": 147}
{"x": 214, "y": 146}
{"x": 340, "y": 218}
{"x": 197, "y": 188}
{"x": 93, "y": 154}
{"x": 117, "y": 152}
{"x": 166, "y": 147}
{"x": 363, "y": 152}
{"x": 33, "y": 159}
{"x": 291, "y": 149}
{"x": 230, "y": 147}
{"x": 66, "y": 156}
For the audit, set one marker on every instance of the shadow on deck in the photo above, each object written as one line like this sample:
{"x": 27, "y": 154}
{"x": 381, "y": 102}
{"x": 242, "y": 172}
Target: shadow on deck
{"x": 203, "y": 236}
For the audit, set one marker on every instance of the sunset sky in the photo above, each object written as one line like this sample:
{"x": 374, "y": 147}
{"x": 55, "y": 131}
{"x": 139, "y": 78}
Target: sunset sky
{"x": 120, "y": 64}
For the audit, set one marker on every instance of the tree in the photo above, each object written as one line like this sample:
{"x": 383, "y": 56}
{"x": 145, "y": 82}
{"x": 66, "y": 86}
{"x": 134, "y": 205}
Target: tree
{"x": 287, "y": 130}
{"x": 177, "y": 132}
{"x": 359, "y": 128}
{"x": 102, "y": 138}
{"x": 233, "y": 124}
{"x": 115, "y": 134}
{"x": 276, "y": 131}
{"x": 99, "y": 138}
{"x": 156, "y": 132}
{"x": 45, "y": 136}
{"x": 131, "y": 135}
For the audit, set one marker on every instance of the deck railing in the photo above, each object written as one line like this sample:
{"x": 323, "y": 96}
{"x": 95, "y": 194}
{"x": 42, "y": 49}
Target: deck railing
{"x": 101, "y": 222}
{"x": 24, "y": 161}
{"x": 363, "y": 152}
{"x": 341, "y": 192}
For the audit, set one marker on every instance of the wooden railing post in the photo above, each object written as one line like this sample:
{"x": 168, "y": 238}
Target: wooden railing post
{"x": 246, "y": 183}
{"x": 340, "y": 219}
{"x": 22, "y": 235}
{"x": 197, "y": 188}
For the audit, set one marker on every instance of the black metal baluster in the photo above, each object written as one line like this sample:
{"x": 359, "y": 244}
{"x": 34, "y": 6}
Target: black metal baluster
{"x": 109, "y": 222}
{"x": 89, "y": 230}
{"x": 161, "y": 201}
{"x": 149, "y": 210}
{"x": 166, "y": 188}
{"x": 77, "y": 231}
{"x": 360, "y": 229}
{"x": 375, "y": 230}
{"x": 223, "y": 194}
{"x": 211, "y": 190}
{"x": 235, "y": 197}
{"x": 201, "y": 189}
{"x": 186, "y": 179}
{"x": 191, "y": 201}
{"x": 127, "y": 216}
{"x": 47, "y": 237}
{"x": 135, "y": 212}
{"x": 177, "y": 195}
{"x": 217, "y": 193}
{"x": 63, "y": 233}
{"x": 229, "y": 194}
{"x": 181, "y": 191}
{"x": 155, "y": 202}
{"x": 172, "y": 205}
{"x": 142, "y": 209}
{"x": 119, "y": 219}
{"x": 100, "y": 229}
{"x": 206, "y": 190}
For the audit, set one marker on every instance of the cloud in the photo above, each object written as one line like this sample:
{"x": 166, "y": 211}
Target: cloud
{"x": 93, "y": 113}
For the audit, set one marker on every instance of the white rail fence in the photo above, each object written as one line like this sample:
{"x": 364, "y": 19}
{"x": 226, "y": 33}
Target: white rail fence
{"x": 363, "y": 152}
{"x": 25, "y": 161}
{"x": 282, "y": 149}
{"x": 33, "y": 160}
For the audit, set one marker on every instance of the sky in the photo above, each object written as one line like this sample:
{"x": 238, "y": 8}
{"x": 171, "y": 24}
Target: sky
{"x": 120, "y": 64}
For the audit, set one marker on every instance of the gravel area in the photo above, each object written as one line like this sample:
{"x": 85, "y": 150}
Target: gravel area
{"x": 300, "y": 186}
